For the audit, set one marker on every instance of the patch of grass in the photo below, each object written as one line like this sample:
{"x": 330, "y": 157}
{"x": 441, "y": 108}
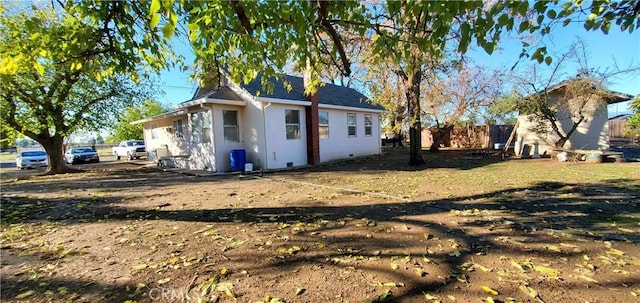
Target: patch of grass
{"x": 617, "y": 219}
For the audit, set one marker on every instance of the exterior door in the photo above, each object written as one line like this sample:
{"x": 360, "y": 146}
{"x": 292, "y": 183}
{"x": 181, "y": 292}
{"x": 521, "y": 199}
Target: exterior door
{"x": 202, "y": 146}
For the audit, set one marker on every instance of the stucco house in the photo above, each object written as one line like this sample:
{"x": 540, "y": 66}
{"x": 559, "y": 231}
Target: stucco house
{"x": 536, "y": 138}
{"x": 278, "y": 129}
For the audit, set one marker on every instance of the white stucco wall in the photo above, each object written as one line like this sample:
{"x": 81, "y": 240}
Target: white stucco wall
{"x": 166, "y": 137}
{"x": 340, "y": 145}
{"x": 223, "y": 148}
{"x": 591, "y": 134}
{"x": 254, "y": 133}
{"x": 279, "y": 150}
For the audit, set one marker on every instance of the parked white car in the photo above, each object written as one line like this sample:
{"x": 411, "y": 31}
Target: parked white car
{"x": 31, "y": 159}
{"x": 132, "y": 149}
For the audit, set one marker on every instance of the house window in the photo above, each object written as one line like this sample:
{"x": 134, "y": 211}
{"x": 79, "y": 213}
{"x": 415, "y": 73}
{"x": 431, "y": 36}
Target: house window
{"x": 368, "y": 125}
{"x": 178, "y": 128}
{"x": 292, "y": 122}
{"x": 323, "y": 124}
{"x": 230, "y": 122}
{"x": 351, "y": 125}
{"x": 154, "y": 131}
{"x": 201, "y": 127}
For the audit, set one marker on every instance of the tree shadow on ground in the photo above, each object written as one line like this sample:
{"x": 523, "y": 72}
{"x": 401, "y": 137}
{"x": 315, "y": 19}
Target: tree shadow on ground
{"x": 584, "y": 210}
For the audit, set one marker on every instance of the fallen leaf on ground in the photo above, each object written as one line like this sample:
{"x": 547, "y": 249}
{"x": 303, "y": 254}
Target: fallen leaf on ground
{"x": 529, "y": 291}
{"x": 547, "y": 271}
{"x": 490, "y": 290}
{"x": 26, "y": 294}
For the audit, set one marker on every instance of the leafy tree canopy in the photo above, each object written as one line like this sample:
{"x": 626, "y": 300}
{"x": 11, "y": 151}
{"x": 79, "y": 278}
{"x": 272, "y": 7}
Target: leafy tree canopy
{"x": 124, "y": 130}
{"x": 634, "y": 121}
{"x": 64, "y": 72}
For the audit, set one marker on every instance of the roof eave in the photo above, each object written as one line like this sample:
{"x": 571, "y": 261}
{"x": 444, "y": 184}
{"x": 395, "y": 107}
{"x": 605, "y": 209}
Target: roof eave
{"x": 169, "y": 114}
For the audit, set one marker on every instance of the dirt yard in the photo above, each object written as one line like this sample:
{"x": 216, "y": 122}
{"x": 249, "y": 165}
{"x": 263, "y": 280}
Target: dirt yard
{"x": 366, "y": 230}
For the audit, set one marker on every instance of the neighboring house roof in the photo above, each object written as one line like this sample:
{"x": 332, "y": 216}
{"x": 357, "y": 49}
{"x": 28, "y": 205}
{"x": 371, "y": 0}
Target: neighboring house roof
{"x": 620, "y": 117}
{"x": 610, "y": 96}
{"x": 329, "y": 94}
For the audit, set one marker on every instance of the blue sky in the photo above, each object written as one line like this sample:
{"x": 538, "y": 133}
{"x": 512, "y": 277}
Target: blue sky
{"x": 604, "y": 52}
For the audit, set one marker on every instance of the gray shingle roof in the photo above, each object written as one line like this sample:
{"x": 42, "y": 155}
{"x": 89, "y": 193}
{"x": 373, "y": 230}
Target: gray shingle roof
{"x": 330, "y": 94}
{"x": 224, "y": 93}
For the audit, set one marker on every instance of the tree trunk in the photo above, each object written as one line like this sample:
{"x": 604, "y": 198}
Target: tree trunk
{"x": 54, "y": 148}
{"x": 561, "y": 142}
{"x": 415, "y": 125}
{"x": 439, "y": 133}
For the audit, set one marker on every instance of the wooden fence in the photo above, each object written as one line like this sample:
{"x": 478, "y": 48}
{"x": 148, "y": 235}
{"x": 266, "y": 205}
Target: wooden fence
{"x": 480, "y": 137}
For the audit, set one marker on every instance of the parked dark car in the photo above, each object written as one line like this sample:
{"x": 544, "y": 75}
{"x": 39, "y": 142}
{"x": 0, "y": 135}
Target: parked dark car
{"x": 81, "y": 155}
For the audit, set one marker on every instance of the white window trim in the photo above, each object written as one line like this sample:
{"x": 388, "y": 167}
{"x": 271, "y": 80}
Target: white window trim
{"x": 370, "y": 126}
{"x": 235, "y": 126}
{"x": 286, "y": 125}
{"x": 323, "y": 125}
{"x": 355, "y": 125}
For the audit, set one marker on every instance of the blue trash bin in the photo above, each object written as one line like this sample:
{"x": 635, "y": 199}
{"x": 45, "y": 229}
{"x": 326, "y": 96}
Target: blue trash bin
{"x": 238, "y": 158}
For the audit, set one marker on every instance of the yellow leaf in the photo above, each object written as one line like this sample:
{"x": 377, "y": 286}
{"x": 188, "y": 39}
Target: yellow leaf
{"x": 389, "y": 284}
{"x": 490, "y": 290}
{"x": 299, "y": 291}
{"x": 485, "y": 269}
{"x": 490, "y": 300}
{"x": 517, "y": 265}
{"x": 163, "y": 281}
{"x": 452, "y": 298}
{"x": 430, "y": 297}
{"x": 26, "y": 294}
{"x": 615, "y": 252}
{"x": 140, "y": 266}
{"x": 39, "y": 68}
{"x": 394, "y": 266}
{"x": 547, "y": 271}
{"x": 529, "y": 291}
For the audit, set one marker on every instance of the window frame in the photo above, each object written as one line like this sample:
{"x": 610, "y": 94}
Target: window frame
{"x": 368, "y": 129}
{"x": 321, "y": 134}
{"x": 354, "y": 126}
{"x": 235, "y": 127}
{"x": 178, "y": 128}
{"x": 296, "y": 125}
{"x": 154, "y": 131}
{"x": 201, "y": 127}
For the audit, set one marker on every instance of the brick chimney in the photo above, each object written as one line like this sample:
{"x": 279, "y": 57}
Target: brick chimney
{"x": 312, "y": 123}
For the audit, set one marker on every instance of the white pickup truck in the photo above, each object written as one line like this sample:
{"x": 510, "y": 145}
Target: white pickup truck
{"x": 132, "y": 149}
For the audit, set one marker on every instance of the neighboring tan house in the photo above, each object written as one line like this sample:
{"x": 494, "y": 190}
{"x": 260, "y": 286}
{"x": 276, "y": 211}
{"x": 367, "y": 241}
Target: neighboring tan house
{"x": 274, "y": 130}
{"x": 591, "y": 134}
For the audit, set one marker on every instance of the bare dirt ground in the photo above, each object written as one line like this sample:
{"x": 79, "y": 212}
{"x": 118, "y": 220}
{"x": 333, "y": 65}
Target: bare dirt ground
{"x": 366, "y": 230}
